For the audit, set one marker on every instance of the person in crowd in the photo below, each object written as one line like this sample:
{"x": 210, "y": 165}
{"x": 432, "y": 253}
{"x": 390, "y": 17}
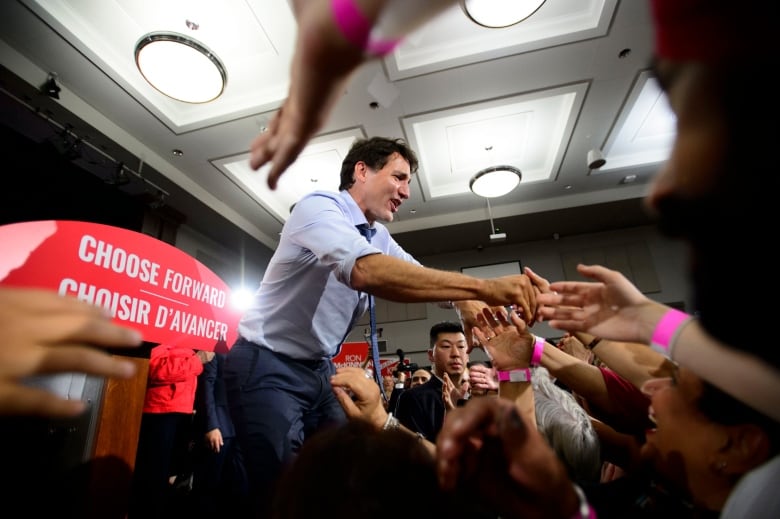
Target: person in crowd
{"x": 371, "y": 473}
{"x": 704, "y": 440}
{"x": 219, "y": 485}
{"x": 167, "y": 419}
{"x": 613, "y": 307}
{"x": 332, "y": 253}
{"x": 389, "y": 383}
{"x": 422, "y": 408}
{"x": 45, "y": 333}
{"x": 401, "y": 383}
{"x": 420, "y": 377}
{"x": 567, "y": 427}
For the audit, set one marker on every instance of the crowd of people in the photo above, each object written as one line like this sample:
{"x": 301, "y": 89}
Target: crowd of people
{"x": 678, "y": 416}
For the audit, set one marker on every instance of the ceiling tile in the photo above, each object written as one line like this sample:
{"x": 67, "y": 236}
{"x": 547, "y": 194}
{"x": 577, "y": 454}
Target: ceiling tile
{"x": 317, "y": 169}
{"x": 644, "y": 130}
{"x": 452, "y": 39}
{"x": 527, "y": 131}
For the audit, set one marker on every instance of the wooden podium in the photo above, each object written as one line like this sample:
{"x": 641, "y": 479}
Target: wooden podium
{"x": 79, "y": 467}
{"x": 115, "y": 443}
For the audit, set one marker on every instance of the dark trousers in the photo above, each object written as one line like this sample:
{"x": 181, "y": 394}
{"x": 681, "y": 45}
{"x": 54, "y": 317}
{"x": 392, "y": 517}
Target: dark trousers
{"x": 155, "y": 461}
{"x": 275, "y": 402}
{"x": 219, "y": 486}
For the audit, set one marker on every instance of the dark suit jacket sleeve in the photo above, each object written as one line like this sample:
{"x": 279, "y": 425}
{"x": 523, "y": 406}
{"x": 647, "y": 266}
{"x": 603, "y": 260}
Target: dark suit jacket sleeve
{"x": 207, "y": 380}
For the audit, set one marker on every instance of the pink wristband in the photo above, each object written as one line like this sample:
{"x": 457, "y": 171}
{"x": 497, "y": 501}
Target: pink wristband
{"x": 381, "y": 47}
{"x": 354, "y": 26}
{"x": 585, "y": 510}
{"x": 666, "y": 329}
{"x": 514, "y": 375}
{"x": 536, "y": 357}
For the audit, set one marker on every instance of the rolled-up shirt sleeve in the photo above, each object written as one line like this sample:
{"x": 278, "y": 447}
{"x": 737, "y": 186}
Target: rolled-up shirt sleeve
{"x": 330, "y": 232}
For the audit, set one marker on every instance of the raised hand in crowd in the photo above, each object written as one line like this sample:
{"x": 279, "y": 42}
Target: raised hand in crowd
{"x": 611, "y": 306}
{"x": 452, "y": 393}
{"x": 482, "y": 379}
{"x": 45, "y": 333}
{"x": 359, "y": 395}
{"x": 573, "y": 346}
{"x": 507, "y": 343}
{"x": 468, "y": 313}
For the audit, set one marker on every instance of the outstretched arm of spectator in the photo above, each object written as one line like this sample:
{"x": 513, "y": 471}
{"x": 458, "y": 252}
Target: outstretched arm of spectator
{"x": 334, "y": 38}
{"x": 610, "y": 307}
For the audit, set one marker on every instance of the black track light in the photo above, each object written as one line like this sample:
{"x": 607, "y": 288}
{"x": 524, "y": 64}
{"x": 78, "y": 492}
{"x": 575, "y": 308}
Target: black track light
{"x": 50, "y": 87}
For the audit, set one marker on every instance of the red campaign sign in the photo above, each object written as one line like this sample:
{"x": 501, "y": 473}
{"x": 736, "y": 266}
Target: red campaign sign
{"x": 356, "y": 354}
{"x": 147, "y": 284}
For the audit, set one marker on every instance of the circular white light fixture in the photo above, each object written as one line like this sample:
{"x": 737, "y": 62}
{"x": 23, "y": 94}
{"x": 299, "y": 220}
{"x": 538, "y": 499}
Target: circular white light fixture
{"x": 495, "y": 181}
{"x": 180, "y": 67}
{"x": 497, "y": 14}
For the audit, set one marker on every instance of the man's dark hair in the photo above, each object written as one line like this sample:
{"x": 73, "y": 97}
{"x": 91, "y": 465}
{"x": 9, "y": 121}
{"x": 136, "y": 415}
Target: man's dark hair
{"x": 444, "y": 327}
{"x": 375, "y": 152}
{"x": 362, "y": 461}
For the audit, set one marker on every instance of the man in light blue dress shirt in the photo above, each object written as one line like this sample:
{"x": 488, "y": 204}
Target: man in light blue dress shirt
{"x": 314, "y": 291}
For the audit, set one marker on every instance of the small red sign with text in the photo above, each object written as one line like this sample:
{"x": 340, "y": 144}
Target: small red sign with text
{"x": 356, "y": 354}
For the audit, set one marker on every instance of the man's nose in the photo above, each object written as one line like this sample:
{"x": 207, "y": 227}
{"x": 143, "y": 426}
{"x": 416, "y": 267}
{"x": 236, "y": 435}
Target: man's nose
{"x": 404, "y": 191}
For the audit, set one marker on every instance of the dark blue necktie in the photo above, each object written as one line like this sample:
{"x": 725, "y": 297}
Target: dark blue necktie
{"x": 368, "y": 232}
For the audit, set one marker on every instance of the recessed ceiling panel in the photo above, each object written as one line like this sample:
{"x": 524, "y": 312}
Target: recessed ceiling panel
{"x": 452, "y": 39}
{"x": 526, "y": 131}
{"x": 644, "y": 131}
{"x": 317, "y": 169}
{"x": 253, "y": 39}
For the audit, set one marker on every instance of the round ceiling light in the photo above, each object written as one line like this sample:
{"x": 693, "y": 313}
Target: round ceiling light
{"x": 180, "y": 67}
{"x": 497, "y": 14}
{"x": 495, "y": 181}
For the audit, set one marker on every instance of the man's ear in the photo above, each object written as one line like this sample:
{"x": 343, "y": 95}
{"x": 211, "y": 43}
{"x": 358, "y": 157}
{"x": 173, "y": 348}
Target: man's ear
{"x": 748, "y": 447}
{"x": 360, "y": 171}
{"x": 430, "y": 355}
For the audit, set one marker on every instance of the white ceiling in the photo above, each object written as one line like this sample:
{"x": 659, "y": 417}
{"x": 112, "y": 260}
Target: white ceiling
{"x": 538, "y": 96}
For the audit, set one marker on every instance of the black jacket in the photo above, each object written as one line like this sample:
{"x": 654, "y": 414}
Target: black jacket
{"x": 421, "y": 408}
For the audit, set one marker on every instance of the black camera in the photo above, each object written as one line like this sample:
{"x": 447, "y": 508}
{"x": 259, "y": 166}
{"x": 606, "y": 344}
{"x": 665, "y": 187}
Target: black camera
{"x": 407, "y": 367}
{"x": 402, "y": 367}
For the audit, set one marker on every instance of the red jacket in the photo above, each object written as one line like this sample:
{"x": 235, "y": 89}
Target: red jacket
{"x": 173, "y": 377}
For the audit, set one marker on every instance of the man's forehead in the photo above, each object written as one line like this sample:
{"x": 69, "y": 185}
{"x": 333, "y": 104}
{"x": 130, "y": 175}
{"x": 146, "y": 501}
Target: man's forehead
{"x": 451, "y": 337}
